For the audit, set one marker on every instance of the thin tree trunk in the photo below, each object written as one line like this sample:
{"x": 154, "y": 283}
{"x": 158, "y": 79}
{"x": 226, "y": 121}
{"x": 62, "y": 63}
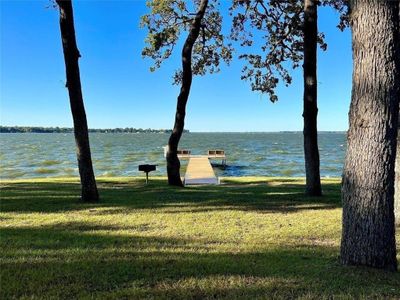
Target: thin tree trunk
{"x": 368, "y": 234}
{"x": 173, "y": 163}
{"x": 310, "y": 109}
{"x": 397, "y": 181}
{"x": 71, "y": 56}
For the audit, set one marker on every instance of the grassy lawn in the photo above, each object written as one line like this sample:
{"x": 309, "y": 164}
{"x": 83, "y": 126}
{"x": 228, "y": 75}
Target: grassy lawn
{"x": 248, "y": 238}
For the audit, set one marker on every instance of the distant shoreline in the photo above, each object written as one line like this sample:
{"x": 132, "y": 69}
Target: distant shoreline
{"x": 37, "y": 129}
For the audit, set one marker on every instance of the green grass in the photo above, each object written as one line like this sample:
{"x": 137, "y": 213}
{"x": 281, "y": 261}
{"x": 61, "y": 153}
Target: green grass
{"x": 248, "y": 238}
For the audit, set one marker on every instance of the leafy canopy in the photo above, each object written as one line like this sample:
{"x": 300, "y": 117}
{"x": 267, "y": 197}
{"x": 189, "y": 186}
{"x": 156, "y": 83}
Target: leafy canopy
{"x": 168, "y": 20}
{"x": 279, "y": 24}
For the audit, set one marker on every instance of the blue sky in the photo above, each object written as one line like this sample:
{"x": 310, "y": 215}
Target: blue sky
{"x": 120, "y": 91}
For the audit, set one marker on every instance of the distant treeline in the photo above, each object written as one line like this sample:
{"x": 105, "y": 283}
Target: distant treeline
{"x": 30, "y": 129}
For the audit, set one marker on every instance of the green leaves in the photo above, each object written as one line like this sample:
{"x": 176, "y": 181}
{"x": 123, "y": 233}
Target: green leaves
{"x": 279, "y": 24}
{"x": 169, "y": 20}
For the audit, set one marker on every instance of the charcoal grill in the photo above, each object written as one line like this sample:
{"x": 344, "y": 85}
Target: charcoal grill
{"x": 147, "y": 169}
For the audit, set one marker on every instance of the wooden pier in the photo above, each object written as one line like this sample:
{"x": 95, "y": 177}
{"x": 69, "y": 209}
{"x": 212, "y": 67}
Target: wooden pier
{"x": 200, "y": 171}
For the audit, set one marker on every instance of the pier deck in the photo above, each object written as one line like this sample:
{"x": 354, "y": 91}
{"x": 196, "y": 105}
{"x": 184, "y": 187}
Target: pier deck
{"x": 200, "y": 171}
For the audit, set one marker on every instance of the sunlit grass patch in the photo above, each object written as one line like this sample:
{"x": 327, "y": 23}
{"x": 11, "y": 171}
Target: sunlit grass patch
{"x": 249, "y": 238}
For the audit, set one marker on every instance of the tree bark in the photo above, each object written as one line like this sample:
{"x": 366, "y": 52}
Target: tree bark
{"x": 368, "y": 234}
{"x": 310, "y": 109}
{"x": 397, "y": 172}
{"x": 71, "y": 56}
{"x": 173, "y": 163}
{"x": 397, "y": 181}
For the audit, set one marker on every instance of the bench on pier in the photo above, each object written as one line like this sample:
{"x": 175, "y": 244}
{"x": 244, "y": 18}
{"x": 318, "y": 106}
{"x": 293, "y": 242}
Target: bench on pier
{"x": 183, "y": 153}
{"x": 214, "y": 154}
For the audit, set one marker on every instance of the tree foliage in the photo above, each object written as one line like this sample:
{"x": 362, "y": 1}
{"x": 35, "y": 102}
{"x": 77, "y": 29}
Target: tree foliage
{"x": 279, "y": 24}
{"x": 38, "y": 129}
{"x": 169, "y": 19}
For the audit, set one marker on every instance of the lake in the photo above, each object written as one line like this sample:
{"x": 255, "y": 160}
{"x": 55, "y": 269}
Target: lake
{"x": 32, "y": 155}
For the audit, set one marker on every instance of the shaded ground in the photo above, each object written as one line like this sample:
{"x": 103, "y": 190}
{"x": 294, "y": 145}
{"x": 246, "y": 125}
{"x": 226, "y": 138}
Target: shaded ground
{"x": 248, "y": 238}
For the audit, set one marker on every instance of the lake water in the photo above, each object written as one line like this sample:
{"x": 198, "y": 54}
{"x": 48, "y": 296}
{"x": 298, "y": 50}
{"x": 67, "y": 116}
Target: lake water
{"x": 268, "y": 154}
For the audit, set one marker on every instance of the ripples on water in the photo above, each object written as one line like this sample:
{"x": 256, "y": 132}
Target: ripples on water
{"x": 248, "y": 154}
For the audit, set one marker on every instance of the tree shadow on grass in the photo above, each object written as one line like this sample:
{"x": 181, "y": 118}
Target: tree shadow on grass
{"x": 77, "y": 260}
{"x": 264, "y": 196}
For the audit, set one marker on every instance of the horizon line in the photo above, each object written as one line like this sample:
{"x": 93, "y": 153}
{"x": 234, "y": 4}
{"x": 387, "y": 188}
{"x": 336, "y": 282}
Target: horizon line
{"x": 163, "y": 129}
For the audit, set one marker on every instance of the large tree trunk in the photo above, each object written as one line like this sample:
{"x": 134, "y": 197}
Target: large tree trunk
{"x": 71, "y": 56}
{"x": 368, "y": 236}
{"x": 173, "y": 164}
{"x": 310, "y": 109}
{"x": 397, "y": 173}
